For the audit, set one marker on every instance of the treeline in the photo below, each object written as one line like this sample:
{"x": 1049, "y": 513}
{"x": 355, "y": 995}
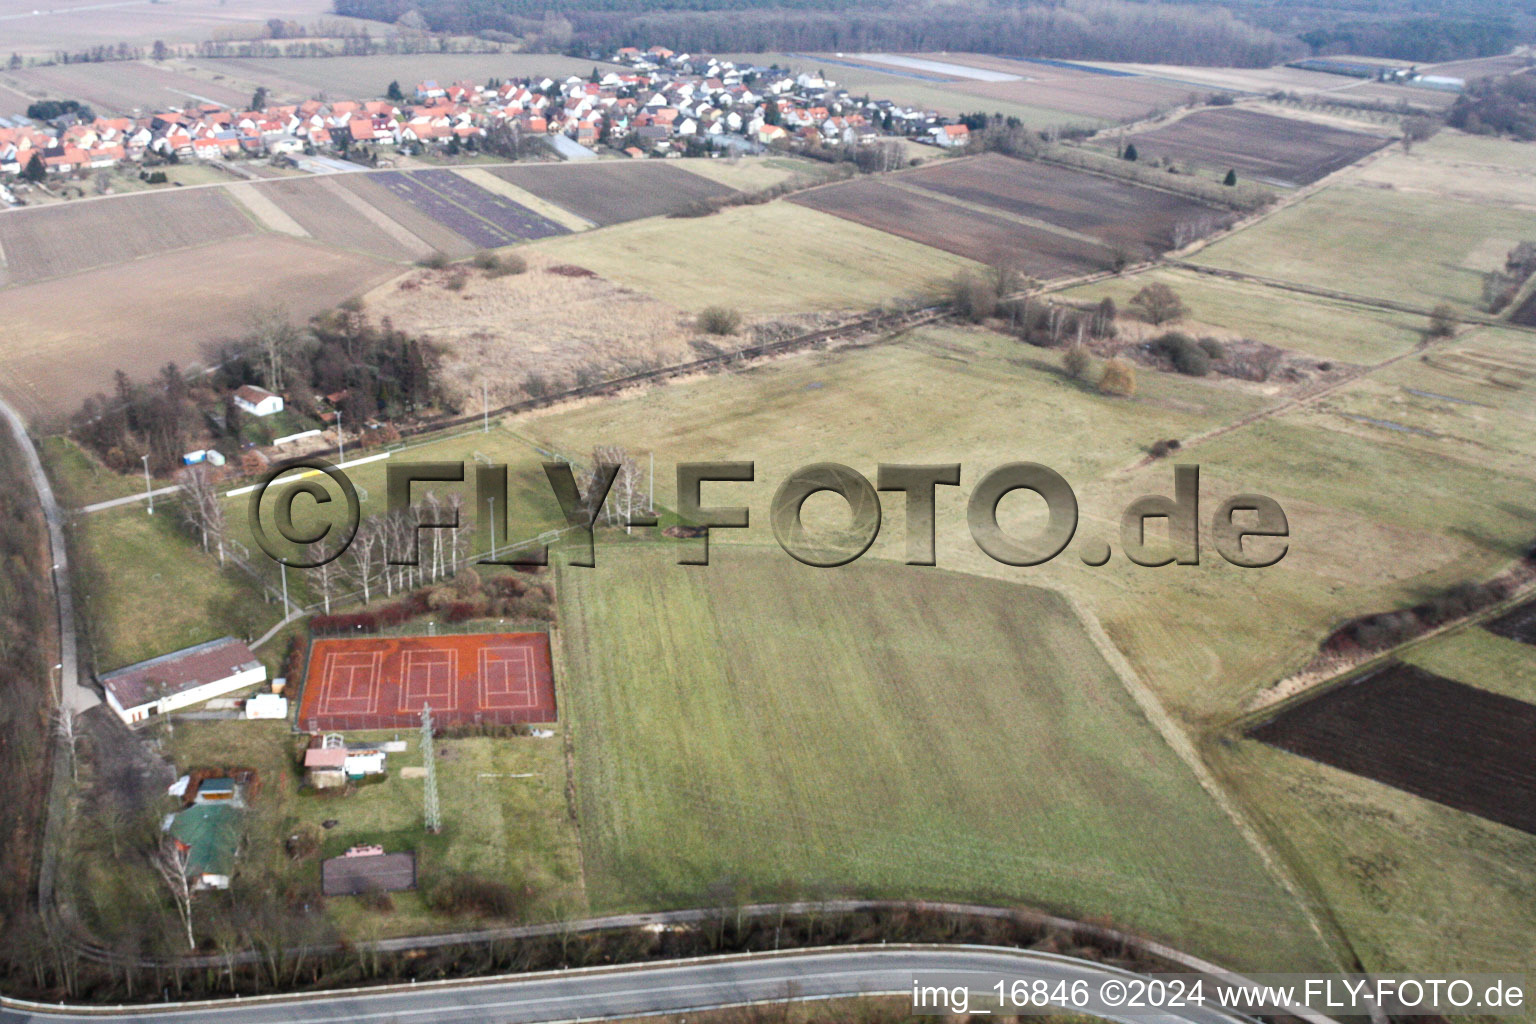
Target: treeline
{"x": 1421, "y": 39}
{"x": 1081, "y": 29}
{"x": 1498, "y": 106}
{"x": 374, "y": 370}
{"x": 26, "y": 615}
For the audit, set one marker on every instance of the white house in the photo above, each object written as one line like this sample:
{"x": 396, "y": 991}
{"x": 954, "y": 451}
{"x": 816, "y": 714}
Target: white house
{"x": 258, "y": 401}
{"x": 181, "y": 679}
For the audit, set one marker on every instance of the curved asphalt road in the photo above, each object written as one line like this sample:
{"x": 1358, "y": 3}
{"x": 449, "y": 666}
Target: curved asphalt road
{"x": 646, "y": 989}
{"x": 73, "y": 695}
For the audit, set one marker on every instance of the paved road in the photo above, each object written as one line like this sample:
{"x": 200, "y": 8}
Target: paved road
{"x": 642, "y": 990}
{"x": 74, "y": 695}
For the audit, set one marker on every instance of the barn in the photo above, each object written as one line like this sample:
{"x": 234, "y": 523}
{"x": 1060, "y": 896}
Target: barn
{"x": 181, "y": 679}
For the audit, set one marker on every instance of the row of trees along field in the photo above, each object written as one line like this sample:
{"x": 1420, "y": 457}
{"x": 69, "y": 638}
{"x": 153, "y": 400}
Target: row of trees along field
{"x": 377, "y": 370}
{"x": 26, "y": 613}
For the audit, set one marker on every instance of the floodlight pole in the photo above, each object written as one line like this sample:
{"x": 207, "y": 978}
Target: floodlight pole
{"x": 341, "y": 442}
{"x": 286, "y": 613}
{"x": 493, "y": 528}
{"x": 485, "y": 408}
{"x": 149, "y": 491}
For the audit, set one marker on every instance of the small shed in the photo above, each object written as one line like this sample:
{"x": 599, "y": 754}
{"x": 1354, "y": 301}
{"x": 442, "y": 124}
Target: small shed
{"x": 266, "y": 705}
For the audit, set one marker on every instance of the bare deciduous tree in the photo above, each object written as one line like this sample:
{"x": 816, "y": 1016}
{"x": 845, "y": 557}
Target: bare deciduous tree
{"x": 170, "y": 862}
{"x": 203, "y": 510}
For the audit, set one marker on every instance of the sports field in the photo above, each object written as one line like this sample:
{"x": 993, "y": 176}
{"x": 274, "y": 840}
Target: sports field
{"x": 890, "y": 730}
{"x": 385, "y": 682}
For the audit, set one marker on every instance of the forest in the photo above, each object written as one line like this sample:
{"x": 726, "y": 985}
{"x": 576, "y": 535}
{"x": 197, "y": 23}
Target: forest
{"x": 1233, "y": 32}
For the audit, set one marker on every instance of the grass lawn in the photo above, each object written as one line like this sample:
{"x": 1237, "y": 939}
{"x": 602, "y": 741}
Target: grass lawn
{"x": 1416, "y": 248}
{"x": 512, "y": 830}
{"x": 1320, "y": 327}
{"x": 79, "y": 478}
{"x": 147, "y": 589}
{"x": 769, "y": 728}
{"x": 1417, "y": 886}
{"x": 771, "y": 258}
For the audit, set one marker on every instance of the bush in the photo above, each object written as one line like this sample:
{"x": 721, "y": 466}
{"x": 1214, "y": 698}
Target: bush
{"x": 499, "y": 266}
{"x": 972, "y": 296}
{"x": 471, "y": 894}
{"x": 719, "y": 320}
{"x": 1119, "y": 378}
{"x": 436, "y": 261}
{"x": 1442, "y": 321}
{"x": 1183, "y": 352}
{"x": 456, "y": 280}
{"x": 1213, "y": 348}
{"x": 1076, "y": 362}
{"x": 1160, "y": 449}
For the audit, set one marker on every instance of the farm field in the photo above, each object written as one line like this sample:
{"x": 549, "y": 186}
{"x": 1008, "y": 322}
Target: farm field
{"x": 1479, "y": 67}
{"x": 1257, "y": 80}
{"x": 372, "y": 191}
{"x": 1518, "y": 624}
{"x": 1418, "y": 173}
{"x": 611, "y": 192}
{"x": 123, "y": 87}
{"x": 49, "y": 241}
{"x": 1417, "y": 886}
{"x": 973, "y": 234}
{"x": 1116, "y": 213}
{"x": 772, "y": 258}
{"x": 1075, "y": 88}
{"x": 1379, "y": 243}
{"x": 1325, "y": 328}
{"x": 1454, "y": 147}
{"x": 325, "y": 210}
{"x": 42, "y": 32}
{"x": 485, "y": 219}
{"x": 367, "y": 78}
{"x": 920, "y": 90}
{"x": 1422, "y": 733}
{"x": 177, "y": 306}
{"x": 1482, "y": 657}
{"x": 533, "y": 331}
{"x": 1276, "y": 150}
{"x": 812, "y": 737}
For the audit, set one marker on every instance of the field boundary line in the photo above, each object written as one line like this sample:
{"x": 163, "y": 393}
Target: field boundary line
{"x": 265, "y": 210}
{"x": 1176, "y": 738}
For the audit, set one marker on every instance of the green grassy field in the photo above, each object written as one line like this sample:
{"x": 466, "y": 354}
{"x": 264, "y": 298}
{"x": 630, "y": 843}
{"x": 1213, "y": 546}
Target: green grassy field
{"x": 768, "y": 728}
{"x": 1319, "y": 327}
{"x": 1420, "y": 249}
{"x": 1474, "y": 656}
{"x": 79, "y": 478}
{"x": 1417, "y": 886}
{"x": 154, "y": 591}
{"x": 773, "y": 258}
{"x": 512, "y": 830}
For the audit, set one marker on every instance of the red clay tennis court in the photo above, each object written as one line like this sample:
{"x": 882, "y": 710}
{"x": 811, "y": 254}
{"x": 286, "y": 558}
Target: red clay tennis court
{"x": 383, "y": 682}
